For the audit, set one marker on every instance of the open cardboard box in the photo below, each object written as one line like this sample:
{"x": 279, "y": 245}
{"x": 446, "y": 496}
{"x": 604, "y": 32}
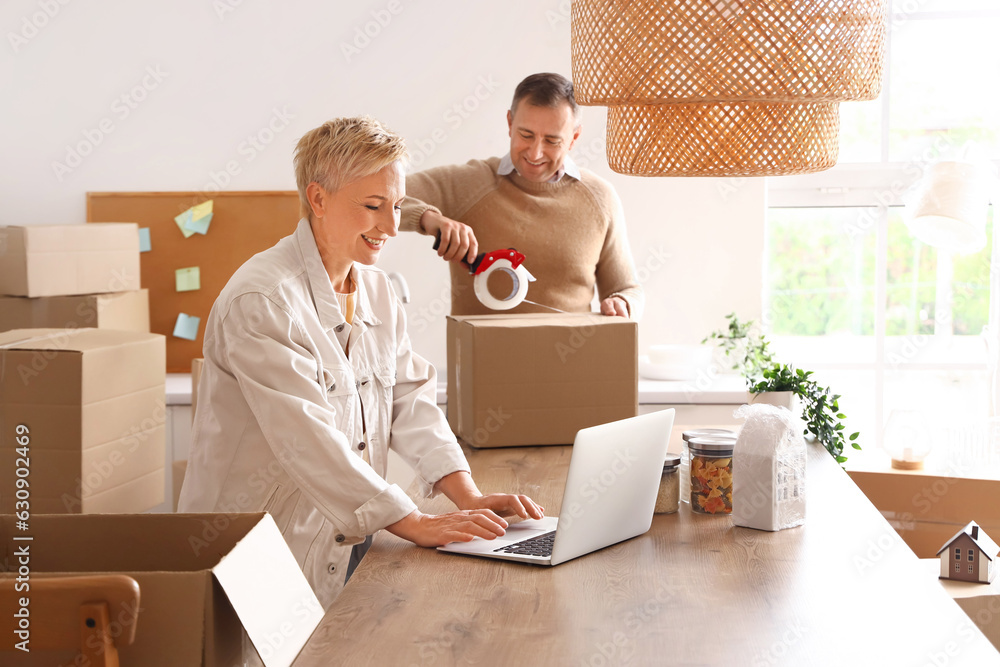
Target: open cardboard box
{"x": 927, "y": 509}
{"x": 537, "y": 379}
{"x": 203, "y": 578}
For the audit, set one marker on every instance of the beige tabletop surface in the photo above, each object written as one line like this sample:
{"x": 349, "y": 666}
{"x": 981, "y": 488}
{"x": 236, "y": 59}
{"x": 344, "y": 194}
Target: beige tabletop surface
{"x": 843, "y": 589}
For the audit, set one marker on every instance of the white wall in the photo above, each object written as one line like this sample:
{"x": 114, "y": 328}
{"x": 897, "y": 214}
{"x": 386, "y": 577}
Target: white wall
{"x": 167, "y": 95}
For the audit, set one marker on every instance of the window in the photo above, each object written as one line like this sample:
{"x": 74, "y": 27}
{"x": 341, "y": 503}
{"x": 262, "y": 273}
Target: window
{"x": 957, "y": 567}
{"x": 886, "y": 321}
{"x": 970, "y": 569}
{"x": 972, "y": 556}
{"x": 958, "y": 553}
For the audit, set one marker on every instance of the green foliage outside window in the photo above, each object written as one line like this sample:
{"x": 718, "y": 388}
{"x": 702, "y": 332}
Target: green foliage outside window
{"x": 821, "y": 276}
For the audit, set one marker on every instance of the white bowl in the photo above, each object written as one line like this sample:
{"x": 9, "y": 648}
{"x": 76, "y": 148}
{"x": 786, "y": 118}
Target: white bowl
{"x": 674, "y": 362}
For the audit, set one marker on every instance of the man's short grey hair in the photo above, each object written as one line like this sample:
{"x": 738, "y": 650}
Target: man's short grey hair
{"x": 546, "y": 89}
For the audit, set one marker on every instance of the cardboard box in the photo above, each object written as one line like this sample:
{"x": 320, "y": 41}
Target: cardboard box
{"x": 927, "y": 510}
{"x": 93, "y": 406}
{"x": 128, "y": 311}
{"x": 203, "y": 578}
{"x": 52, "y": 260}
{"x": 980, "y": 602}
{"x": 537, "y": 379}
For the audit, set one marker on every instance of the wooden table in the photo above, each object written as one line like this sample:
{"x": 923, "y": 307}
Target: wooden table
{"x": 841, "y": 590}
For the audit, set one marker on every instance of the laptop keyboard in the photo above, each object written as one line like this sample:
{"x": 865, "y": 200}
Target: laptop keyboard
{"x": 534, "y": 546}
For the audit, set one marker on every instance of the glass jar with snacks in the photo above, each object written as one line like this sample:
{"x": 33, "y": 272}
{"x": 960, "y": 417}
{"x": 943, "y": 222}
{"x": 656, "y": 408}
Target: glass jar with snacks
{"x": 669, "y": 496}
{"x": 711, "y": 475}
{"x": 686, "y": 456}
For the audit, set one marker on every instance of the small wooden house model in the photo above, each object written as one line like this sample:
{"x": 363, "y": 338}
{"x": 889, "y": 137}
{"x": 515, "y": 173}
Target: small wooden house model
{"x": 969, "y": 556}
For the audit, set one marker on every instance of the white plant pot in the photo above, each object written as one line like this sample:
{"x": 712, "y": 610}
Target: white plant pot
{"x": 785, "y": 399}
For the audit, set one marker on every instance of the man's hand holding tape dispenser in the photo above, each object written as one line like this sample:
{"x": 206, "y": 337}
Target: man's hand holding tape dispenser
{"x": 533, "y": 208}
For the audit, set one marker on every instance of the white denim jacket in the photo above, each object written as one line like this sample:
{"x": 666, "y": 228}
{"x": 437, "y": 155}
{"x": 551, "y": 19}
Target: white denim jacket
{"x": 282, "y": 410}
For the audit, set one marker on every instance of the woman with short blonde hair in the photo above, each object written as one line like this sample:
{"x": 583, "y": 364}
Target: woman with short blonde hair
{"x": 309, "y": 378}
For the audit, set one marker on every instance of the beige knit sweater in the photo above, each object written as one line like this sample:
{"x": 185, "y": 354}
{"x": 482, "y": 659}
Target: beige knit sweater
{"x": 572, "y": 233}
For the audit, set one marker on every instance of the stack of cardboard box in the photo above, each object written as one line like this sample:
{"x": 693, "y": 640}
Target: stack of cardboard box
{"x": 82, "y": 454}
{"x": 83, "y": 408}
{"x": 72, "y": 276}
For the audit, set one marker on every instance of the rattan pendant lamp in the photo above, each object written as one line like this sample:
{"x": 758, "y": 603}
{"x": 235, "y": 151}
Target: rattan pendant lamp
{"x": 725, "y": 87}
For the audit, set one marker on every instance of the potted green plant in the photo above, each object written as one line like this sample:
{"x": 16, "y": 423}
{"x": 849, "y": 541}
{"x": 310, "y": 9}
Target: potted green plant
{"x": 766, "y": 377}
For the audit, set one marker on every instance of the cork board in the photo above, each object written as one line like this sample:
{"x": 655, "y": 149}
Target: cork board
{"x": 243, "y": 224}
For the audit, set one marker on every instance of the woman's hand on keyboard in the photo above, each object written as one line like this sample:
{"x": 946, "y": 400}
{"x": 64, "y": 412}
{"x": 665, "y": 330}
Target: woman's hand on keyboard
{"x": 507, "y": 504}
{"x": 434, "y": 530}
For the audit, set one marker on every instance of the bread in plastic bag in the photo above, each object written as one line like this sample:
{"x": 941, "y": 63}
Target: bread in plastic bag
{"x": 769, "y": 469}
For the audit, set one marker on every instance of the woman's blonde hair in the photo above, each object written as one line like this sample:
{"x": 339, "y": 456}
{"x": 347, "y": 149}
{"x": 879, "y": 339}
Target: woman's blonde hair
{"x": 343, "y": 150}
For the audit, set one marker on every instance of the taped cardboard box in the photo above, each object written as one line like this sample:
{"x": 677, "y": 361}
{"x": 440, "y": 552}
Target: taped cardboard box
{"x": 203, "y": 579}
{"x": 53, "y": 260}
{"x": 128, "y": 311}
{"x": 926, "y": 509}
{"x": 537, "y": 379}
{"x": 93, "y": 409}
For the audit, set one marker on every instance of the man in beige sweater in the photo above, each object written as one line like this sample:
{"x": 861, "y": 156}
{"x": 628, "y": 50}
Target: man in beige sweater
{"x": 567, "y": 221}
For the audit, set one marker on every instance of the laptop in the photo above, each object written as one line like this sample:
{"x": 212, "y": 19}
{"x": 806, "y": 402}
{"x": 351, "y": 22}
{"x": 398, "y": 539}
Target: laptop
{"x": 614, "y": 475}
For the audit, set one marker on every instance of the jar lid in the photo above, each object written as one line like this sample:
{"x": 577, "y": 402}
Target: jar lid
{"x": 708, "y": 433}
{"x": 671, "y": 462}
{"x": 714, "y": 445}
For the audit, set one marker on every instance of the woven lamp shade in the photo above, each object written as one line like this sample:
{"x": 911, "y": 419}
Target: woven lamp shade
{"x": 734, "y": 139}
{"x": 725, "y": 87}
{"x": 669, "y": 51}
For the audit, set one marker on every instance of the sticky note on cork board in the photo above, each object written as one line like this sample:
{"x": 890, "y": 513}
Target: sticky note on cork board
{"x": 187, "y": 279}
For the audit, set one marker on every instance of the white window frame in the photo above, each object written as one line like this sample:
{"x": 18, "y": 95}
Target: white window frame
{"x": 878, "y": 186}
{"x": 884, "y": 184}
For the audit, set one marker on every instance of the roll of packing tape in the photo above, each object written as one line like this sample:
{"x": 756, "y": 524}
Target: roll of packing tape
{"x": 519, "y": 289}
